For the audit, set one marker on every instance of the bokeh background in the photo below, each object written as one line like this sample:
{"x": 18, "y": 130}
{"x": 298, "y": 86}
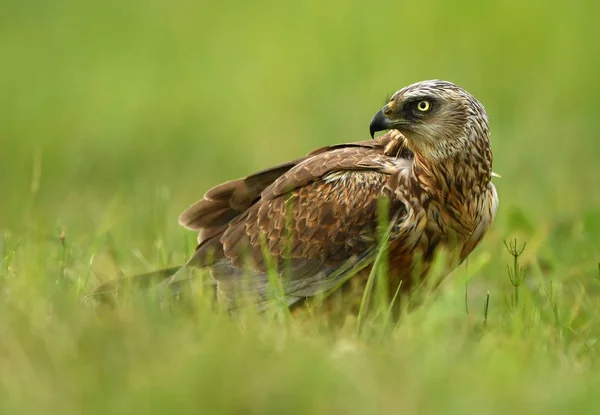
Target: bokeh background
{"x": 116, "y": 115}
{"x": 110, "y": 105}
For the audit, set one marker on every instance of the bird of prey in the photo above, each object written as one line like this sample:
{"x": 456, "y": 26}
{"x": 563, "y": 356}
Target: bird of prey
{"x": 312, "y": 223}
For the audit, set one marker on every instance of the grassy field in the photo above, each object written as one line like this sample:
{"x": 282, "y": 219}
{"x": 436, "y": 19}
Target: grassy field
{"x": 115, "y": 116}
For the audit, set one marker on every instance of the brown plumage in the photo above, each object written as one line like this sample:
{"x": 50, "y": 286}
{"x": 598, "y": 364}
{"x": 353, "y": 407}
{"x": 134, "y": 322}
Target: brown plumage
{"x": 314, "y": 220}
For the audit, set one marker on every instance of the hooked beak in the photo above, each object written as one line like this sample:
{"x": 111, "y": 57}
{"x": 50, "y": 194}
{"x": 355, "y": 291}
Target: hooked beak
{"x": 380, "y": 122}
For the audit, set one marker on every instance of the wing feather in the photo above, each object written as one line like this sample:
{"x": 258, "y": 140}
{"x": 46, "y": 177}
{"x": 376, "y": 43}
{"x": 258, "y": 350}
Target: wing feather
{"x": 315, "y": 217}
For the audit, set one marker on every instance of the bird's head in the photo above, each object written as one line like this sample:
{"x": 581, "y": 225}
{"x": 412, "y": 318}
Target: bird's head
{"x": 438, "y": 119}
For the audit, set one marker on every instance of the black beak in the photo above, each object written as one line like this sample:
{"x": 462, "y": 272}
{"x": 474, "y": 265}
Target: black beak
{"x": 379, "y": 123}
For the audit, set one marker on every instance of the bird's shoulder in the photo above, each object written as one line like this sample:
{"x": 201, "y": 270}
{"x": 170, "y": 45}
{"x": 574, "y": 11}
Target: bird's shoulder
{"x": 384, "y": 155}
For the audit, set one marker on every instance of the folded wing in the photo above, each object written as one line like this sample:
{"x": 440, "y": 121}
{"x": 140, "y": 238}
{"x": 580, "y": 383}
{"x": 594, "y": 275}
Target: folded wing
{"x": 312, "y": 220}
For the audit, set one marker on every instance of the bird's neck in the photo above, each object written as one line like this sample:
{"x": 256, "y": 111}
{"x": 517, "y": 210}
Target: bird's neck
{"x": 463, "y": 174}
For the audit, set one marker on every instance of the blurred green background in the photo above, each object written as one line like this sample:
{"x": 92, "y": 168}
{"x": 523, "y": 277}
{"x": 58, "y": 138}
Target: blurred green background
{"x": 111, "y": 99}
{"x": 116, "y": 115}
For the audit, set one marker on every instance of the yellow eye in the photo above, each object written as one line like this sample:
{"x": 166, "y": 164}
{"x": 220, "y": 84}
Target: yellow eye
{"x": 423, "y": 106}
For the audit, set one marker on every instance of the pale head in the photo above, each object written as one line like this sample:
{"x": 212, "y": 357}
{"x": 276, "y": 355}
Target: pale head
{"x": 438, "y": 118}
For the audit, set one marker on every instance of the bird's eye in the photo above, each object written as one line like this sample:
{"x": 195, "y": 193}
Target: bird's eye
{"x": 423, "y": 106}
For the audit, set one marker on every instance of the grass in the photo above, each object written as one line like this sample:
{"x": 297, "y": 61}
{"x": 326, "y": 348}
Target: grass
{"x": 115, "y": 116}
